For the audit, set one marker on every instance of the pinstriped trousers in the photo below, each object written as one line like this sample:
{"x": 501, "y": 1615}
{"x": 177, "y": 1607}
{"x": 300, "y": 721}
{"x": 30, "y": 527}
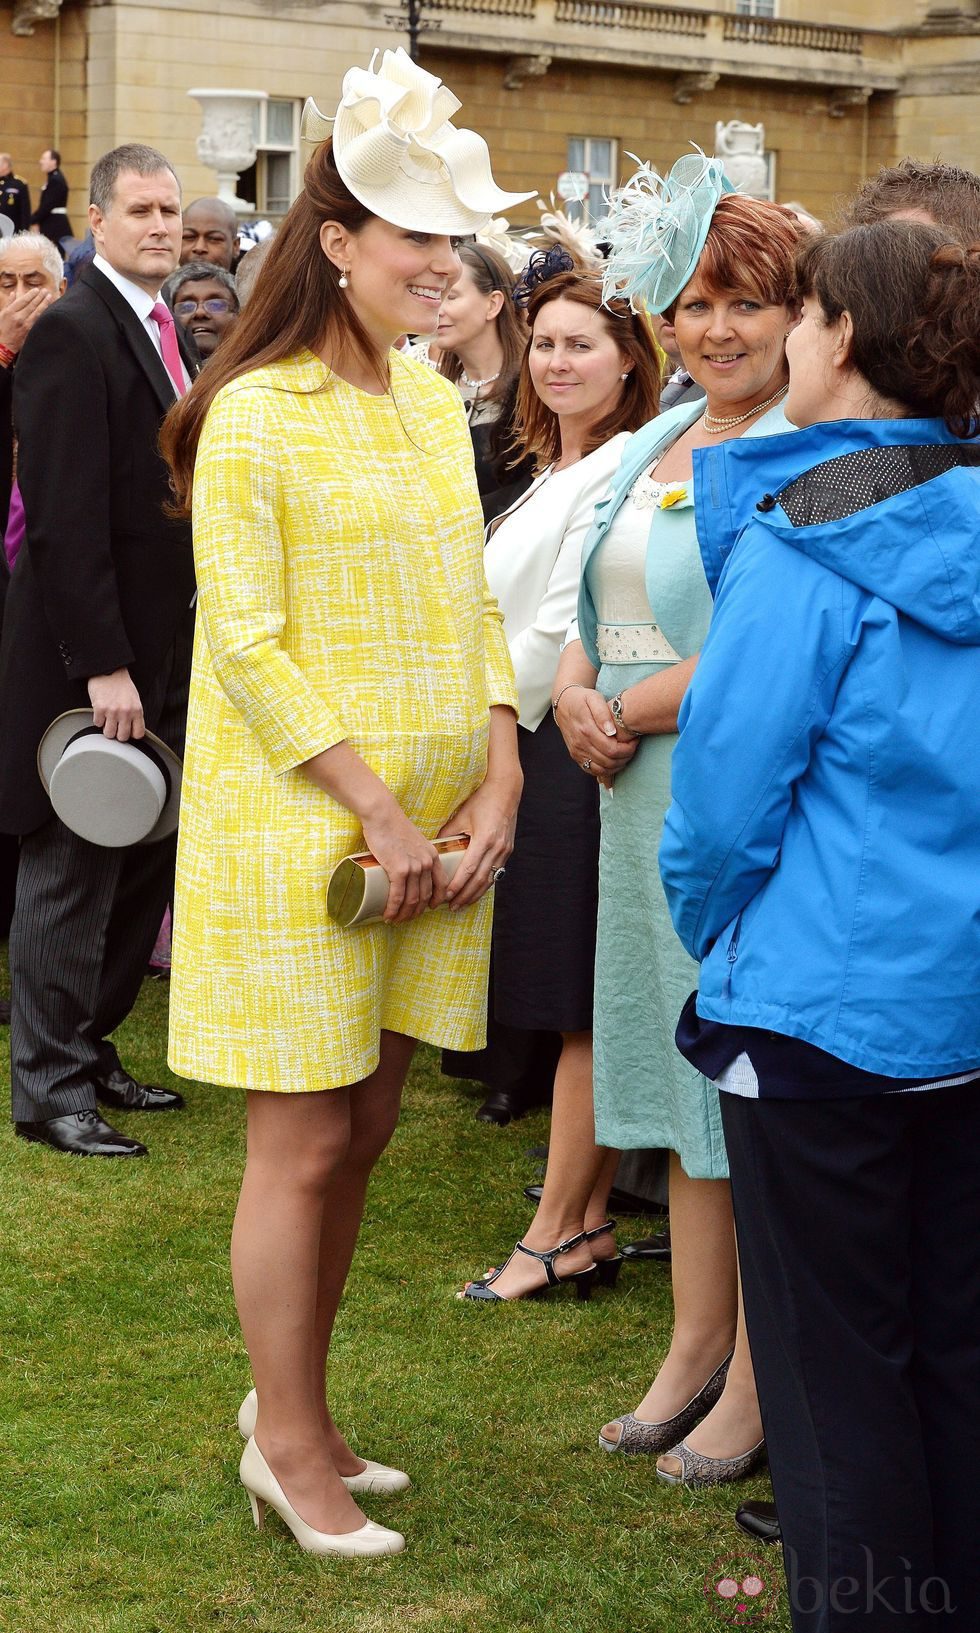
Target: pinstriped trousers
{"x": 85, "y": 921}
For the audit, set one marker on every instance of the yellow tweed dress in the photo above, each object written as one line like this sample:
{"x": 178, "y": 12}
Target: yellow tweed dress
{"x": 338, "y": 542}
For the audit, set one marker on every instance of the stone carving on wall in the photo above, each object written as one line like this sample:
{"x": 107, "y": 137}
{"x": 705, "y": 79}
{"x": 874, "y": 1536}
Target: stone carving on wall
{"x": 848, "y": 96}
{"x": 520, "y": 69}
{"x": 688, "y": 86}
{"x": 29, "y": 12}
{"x": 743, "y": 148}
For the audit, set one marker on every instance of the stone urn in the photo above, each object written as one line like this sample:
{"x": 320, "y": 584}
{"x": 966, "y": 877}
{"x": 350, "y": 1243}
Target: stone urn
{"x": 742, "y": 148}
{"x": 227, "y": 142}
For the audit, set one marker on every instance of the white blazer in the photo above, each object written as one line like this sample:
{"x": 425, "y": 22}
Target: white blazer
{"x": 533, "y": 561}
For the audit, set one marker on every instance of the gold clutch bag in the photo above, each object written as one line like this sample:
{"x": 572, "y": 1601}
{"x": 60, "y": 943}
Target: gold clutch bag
{"x": 357, "y": 892}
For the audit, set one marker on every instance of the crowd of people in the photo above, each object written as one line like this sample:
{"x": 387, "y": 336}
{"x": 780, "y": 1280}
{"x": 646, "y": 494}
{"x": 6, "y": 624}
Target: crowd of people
{"x": 640, "y": 574}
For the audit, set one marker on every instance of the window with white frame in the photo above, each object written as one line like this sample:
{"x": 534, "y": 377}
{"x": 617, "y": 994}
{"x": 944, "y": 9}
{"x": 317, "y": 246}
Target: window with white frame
{"x": 595, "y": 157}
{"x": 273, "y": 181}
{"x": 755, "y": 8}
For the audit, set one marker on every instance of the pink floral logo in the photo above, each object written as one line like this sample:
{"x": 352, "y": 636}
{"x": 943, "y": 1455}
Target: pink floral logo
{"x": 741, "y": 1589}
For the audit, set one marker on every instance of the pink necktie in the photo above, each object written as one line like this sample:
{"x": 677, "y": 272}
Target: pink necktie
{"x": 163, "y": 318}
{"x": 16, "y": 526}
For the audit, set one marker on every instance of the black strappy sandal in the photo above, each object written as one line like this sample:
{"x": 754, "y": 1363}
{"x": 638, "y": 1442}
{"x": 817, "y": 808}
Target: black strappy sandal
{"x": 607, "y": 1270}
{"x": 482, "y": 1292}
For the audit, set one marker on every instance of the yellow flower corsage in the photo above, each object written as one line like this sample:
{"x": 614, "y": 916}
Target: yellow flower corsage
{"x": 673, "y": 496}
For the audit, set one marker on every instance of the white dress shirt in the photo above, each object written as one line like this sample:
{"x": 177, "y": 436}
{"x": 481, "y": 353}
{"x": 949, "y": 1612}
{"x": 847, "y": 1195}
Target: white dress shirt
{"x": 142, "y": 304}
{"x": 533, "y": 562}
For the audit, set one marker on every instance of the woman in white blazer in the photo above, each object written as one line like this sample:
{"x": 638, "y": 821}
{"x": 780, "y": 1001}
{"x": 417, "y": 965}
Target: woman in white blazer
{"x": 590, "y": 376}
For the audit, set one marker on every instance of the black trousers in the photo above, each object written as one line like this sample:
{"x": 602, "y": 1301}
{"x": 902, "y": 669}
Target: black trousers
{"x": 858, "y": 1228}
{"x": 85, "y": 921}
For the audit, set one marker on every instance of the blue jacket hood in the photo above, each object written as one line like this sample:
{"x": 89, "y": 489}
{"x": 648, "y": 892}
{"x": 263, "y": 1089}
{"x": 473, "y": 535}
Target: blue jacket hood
{"x": 937, "y": 583}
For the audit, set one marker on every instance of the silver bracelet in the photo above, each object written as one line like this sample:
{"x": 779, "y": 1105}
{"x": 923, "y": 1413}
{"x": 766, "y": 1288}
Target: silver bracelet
{"x": 571, "y": 686}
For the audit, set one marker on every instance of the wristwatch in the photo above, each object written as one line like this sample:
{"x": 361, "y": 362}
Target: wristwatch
{"x": 616, "y": 709}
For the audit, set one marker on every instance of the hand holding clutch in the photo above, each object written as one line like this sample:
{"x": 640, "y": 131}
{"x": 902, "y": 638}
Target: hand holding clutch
{"x": 357, "y": 892}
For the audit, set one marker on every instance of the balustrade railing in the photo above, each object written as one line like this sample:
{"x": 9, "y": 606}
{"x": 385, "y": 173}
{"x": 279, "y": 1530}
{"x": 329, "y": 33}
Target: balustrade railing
{"x": 640, "y": 17}
{"x": 774, "y": 31}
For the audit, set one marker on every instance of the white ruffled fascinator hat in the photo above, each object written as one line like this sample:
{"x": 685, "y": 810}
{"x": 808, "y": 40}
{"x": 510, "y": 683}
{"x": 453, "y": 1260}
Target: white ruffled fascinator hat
{"x": 400, "y": 156}
{"x": 656, "y": 229}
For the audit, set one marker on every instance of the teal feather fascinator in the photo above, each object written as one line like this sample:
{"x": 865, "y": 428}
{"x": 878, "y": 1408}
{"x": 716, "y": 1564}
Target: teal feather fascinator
{"x": 656, "y": 228}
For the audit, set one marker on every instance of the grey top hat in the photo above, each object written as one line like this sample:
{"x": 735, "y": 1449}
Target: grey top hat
{"x": 108, "y": 792}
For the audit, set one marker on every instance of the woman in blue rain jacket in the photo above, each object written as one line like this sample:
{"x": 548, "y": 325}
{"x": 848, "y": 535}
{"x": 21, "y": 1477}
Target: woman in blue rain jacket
{"x": 822, "y": 860}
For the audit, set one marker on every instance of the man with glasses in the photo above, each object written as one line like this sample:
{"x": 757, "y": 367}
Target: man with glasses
{"x": 204, "y": 301}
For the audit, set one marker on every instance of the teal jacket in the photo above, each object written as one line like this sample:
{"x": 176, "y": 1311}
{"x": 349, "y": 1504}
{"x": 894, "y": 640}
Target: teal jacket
{"x": 643, "y": 446}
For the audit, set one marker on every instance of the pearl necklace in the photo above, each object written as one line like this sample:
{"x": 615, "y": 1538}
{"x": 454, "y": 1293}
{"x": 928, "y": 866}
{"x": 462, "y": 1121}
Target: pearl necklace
{"x": 478, "y": 385}
{"x": 713, "y": 425}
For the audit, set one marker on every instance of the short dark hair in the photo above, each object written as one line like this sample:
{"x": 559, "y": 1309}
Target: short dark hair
{"x": 221, "y": 208}
{"x": 949, "y": 195}
{"x": 56, "y": 156}
{"x": 199, "y": 272}
{"x": 135, "y": 156}
{"x": 914, "y": 301}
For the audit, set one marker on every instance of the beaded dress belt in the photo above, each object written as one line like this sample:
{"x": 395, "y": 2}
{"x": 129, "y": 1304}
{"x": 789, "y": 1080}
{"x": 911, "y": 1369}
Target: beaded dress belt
{"x": 634, "y": 643}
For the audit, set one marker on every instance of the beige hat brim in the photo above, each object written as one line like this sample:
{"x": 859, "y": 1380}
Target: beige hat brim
{"x": 67, "y": 726}
{"x": 400, "y": 155}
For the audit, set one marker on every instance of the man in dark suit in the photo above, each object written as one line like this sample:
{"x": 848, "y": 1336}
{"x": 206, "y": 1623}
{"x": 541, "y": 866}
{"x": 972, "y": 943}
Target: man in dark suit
{"x": 28, "y": 285}
{"x": 31, "y": 278}
{"x": 51, "y": 215}
{"x": 98, "y": 613}
{"x": 15, "y": 195}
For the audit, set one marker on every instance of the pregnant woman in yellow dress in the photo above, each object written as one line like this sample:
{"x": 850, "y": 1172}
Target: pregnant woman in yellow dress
{"x": 351, "y": 690}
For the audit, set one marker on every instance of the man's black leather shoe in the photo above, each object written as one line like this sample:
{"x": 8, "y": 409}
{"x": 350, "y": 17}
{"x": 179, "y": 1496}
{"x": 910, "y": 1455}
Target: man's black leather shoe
{"x": 656, "y": 1248}
{"x": 81, "y": 1134}
{"x": 125, "y": 1094}
{"x": 500, "y": 1107}
{"x": 759, "y": 1520}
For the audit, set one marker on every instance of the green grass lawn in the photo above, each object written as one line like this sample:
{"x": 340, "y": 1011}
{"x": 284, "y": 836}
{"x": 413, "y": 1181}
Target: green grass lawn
{"x": 122, "y": 1369}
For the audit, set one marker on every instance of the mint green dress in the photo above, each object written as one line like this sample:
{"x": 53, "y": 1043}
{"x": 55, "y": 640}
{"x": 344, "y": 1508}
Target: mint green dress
{"x": 647, "y": 584}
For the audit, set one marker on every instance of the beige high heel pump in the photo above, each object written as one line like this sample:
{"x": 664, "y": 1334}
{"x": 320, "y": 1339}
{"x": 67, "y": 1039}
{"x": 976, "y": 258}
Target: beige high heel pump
{"x": 265, "y": 1491}
{"x": 375, "y": 1479}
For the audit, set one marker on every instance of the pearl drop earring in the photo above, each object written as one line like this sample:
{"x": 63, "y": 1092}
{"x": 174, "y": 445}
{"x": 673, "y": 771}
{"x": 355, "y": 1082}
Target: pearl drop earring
{"x": 625, "y": 376}
{"x": 343, "y": 280}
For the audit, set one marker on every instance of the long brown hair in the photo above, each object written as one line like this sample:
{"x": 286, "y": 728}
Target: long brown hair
{"x": 914, "y": 301}
{"x": 536, "y": 427}
{"x": 490, "y": 273}
{"x": 296, "y": 303}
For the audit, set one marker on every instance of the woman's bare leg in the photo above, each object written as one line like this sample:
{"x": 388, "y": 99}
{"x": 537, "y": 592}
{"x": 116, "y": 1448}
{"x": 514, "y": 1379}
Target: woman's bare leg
{"x": 297, "y": 1189}
{"x": 597, "y": 1207}
{"x": 704, "y": 1276}
{"x": 374, "y": 1108}
{"x": 577, "y": 1172}
{"x": 734, "y": 1424}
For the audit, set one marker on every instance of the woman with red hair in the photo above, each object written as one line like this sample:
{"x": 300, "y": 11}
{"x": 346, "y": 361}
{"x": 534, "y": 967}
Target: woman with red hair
{"x": 721, "y": 270}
